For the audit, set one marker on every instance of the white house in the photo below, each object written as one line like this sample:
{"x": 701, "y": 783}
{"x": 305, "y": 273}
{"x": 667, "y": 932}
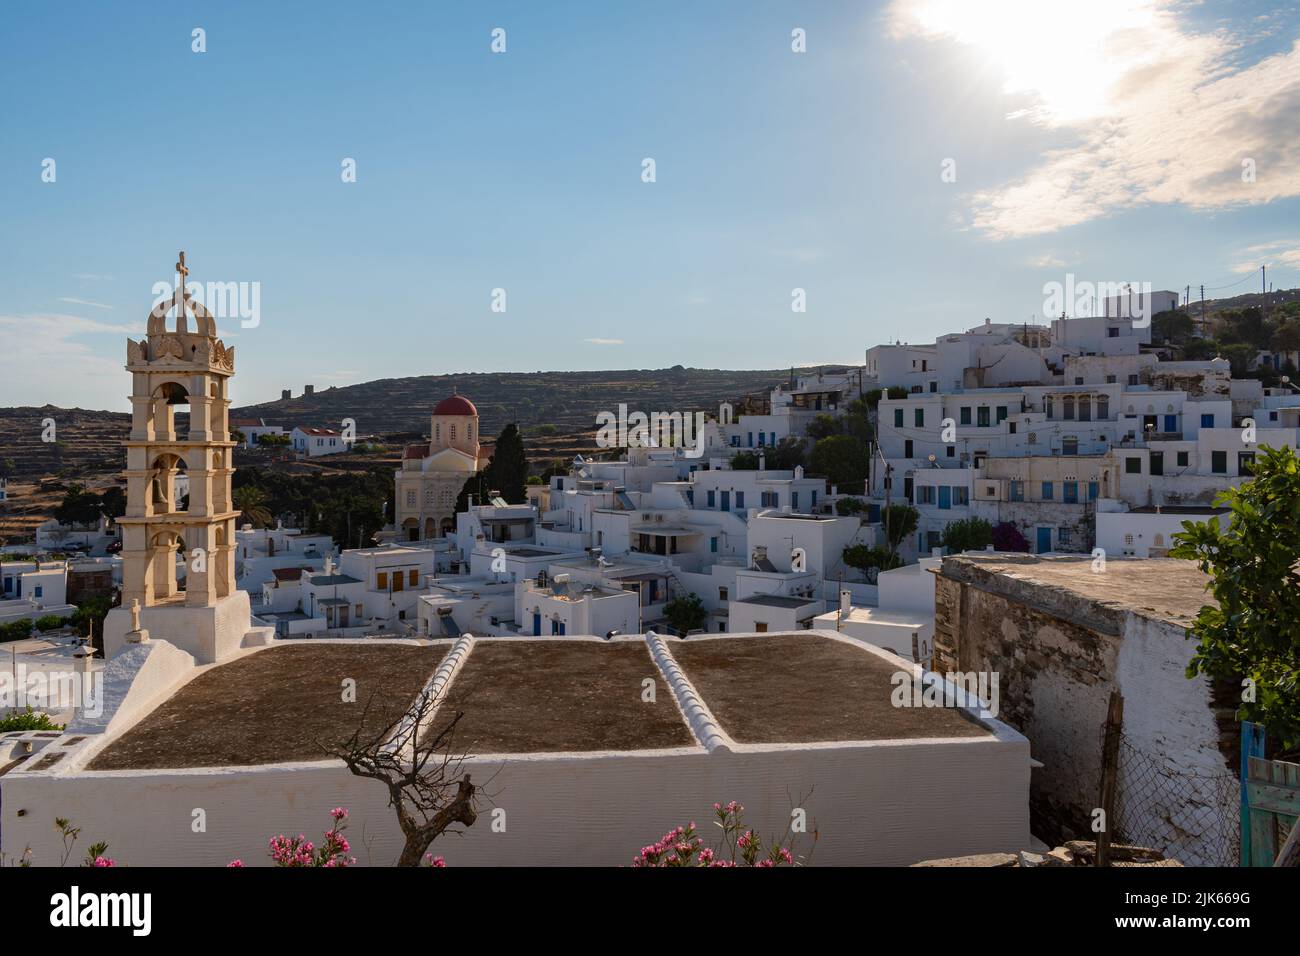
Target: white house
{"x": 313, "y": 442}
{"x": 1148, "y": 532}
{"x": 254, "y": 429}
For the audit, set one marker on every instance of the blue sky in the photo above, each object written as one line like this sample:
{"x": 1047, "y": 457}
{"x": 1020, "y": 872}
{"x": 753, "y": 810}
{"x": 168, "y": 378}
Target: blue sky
{"x": 1102, "y": 137}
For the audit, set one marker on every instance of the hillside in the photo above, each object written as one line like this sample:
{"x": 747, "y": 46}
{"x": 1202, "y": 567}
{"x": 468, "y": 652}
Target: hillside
{"x": 567, "y": 400}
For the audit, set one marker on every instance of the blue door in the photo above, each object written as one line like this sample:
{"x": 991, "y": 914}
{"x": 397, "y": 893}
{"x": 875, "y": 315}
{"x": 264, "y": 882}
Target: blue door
{"x": 1171, "y": 424}
{"x": 726, "y": 501}
{"x": 945, "y": 497}
{"x": 1044, "y": 540}
{"x": 537, "y": 624}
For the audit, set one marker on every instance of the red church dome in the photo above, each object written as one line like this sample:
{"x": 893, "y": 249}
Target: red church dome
{"x": 455, "y": 405}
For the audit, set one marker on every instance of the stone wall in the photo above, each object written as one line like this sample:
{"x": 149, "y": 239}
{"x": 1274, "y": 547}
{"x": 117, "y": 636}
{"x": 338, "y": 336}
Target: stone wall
{"x": 1059, "y": 655}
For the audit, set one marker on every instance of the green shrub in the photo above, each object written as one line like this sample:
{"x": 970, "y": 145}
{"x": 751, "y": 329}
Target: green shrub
{"x": 30, "y": 720}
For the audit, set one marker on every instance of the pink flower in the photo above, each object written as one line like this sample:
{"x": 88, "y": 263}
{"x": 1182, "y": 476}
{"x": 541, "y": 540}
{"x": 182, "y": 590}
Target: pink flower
{"x": 236, "y": 864}
{"x": 104, "y": 861}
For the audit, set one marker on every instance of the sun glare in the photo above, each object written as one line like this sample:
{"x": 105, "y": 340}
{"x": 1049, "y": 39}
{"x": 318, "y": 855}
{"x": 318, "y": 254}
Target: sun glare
{"x": 1068, "y": 55}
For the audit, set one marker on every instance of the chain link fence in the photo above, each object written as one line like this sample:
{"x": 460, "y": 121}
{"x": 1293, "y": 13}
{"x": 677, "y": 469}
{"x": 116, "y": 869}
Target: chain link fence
{"x": 1192, "y": 816}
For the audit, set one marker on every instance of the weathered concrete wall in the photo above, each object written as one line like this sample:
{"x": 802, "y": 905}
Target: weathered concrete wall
{"x": 1059, "y": 655}
{"x": 1054, "y": 689}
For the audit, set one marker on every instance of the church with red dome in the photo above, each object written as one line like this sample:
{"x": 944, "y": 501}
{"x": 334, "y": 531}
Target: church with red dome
{"x": 433, "y": 473}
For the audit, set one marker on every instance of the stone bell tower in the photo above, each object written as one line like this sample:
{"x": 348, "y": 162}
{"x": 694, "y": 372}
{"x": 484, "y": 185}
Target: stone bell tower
{"x": 174, "y": 370}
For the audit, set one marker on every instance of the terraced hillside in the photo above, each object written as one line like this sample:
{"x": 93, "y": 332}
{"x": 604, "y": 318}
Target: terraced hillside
{"x": 84, "y": 441}
{"x": 567, "y": 400}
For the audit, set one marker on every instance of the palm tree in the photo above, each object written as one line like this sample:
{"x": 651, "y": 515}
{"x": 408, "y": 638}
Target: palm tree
{"x": 251, "y": 504}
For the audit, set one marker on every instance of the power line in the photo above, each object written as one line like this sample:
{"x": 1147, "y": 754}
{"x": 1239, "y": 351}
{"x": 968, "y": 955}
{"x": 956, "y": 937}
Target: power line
{"x": 1246, "y": 278}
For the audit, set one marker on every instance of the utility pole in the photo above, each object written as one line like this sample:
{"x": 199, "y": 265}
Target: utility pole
{"x": 1202, "y": 307}
{"x": 1263, "y": 291}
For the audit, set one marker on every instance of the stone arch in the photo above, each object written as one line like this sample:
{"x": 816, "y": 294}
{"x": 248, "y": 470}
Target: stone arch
{"x": 162, "y": 497}
{"x": 183, "y": 305}
{"x": 411, "y": 529}
{"x": 448, "y": 527}
{"x": 160, "y": 564}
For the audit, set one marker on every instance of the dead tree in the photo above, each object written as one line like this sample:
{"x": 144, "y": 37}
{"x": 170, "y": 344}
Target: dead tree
{"x": 427, "y": 786}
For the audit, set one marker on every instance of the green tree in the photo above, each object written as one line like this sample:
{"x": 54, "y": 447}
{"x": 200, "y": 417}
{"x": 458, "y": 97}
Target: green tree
{"x": 899, "y": 521}
{"x": 1240, "y": 356}
{"x": 873, "y": 397}
{"x": 1173, "y": 326}
{"x": 866, "y": 559}
{"x": 88, "y": 618}
{"x": 968, "y": 534}
{"x": 507, "y": 469}
{"x": 1252, "y": 633}
{"x": 79, "y": 507}
{"x": 685, "y": 613}
{"x": 843, "y": 460}
{"x": 250, "y": 502}
{"x": 1287, "y": 337}
{"x": 857, "y": 421}
{"x": 823, "y": 426}
{"x": 113, "y": 501}
{"x": 744, "y": 461}
{"x": 787, "y": 455}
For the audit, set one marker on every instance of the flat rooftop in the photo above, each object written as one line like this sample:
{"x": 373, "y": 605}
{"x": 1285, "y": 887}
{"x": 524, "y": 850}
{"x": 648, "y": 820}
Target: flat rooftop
{"x": 534, "y": 696}
{"x": 805, "y": 688}
{"x": 1162, "y": 589}
{"x": 1177, "y": 510}
{"x": 274, "y": 706}
{"x": 873, "y": 615}
{"x": 529, "y": 696}
{"x": 777, "y": 600}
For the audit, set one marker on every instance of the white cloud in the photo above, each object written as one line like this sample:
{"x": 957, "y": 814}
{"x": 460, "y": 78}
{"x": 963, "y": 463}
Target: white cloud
{"x": 46, "y": 359}
{"x": 1048, "y": 260}
{"x": 1151, "y": 112}
{"x": 1283, "y": 254}
{"x": 604, "y": 341}
{"x": 72, "y": 301}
